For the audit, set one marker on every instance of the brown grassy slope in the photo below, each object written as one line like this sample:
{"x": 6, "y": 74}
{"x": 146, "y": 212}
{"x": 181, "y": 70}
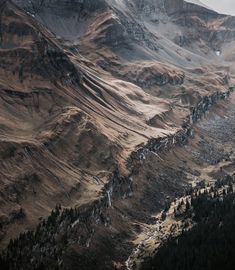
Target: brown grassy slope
{"x": 65, "y": 122}
{"x": 60, "y": 124}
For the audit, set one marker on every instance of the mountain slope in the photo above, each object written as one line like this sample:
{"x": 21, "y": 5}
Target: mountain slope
{"x": 208, "y": 217}
{"x": 198, "y": 2}
{"x": 62, "y": 125}
{"x": 94, "y": 95}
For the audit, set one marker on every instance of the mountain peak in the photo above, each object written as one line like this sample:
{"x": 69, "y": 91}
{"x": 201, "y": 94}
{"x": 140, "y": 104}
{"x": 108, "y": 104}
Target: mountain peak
{"x": 197, "y": 2}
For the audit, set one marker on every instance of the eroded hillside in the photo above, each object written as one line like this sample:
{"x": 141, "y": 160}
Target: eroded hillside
{"x": 98, "y": 100}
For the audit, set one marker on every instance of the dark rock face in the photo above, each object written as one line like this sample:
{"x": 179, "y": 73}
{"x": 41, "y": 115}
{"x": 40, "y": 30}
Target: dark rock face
{"x": 182, "y": 40}
{"x": 61, "y": 7}
{"x": 71, "y": 19}
{"x": 64, "y": 18}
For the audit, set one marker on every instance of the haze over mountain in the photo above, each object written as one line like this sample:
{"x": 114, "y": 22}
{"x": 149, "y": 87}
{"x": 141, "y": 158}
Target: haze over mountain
{"x": 225, "y": 6}
{"x": 109, "y": 111}
{"x": 198, "y": 2}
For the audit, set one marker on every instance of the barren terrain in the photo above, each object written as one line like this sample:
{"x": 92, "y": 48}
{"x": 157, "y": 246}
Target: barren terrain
{"x": 108, "y": 111}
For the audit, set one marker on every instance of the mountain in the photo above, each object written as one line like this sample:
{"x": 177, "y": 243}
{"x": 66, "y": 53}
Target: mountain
{"x": 199, "y": 3}
{"x": 100, "y": 105}
{"x": 210, "y": 211}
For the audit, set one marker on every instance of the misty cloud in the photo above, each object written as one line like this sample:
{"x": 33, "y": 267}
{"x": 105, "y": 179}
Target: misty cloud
{"x": 221, "y": 6}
